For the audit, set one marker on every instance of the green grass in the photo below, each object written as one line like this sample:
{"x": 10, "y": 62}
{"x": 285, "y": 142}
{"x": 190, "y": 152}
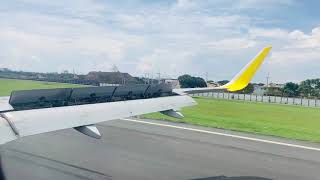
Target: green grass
{"x": 287, "y": 121}
{"x": 8, "y": 85}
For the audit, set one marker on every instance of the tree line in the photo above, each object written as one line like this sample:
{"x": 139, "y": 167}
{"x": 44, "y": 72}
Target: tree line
{"x": 187, "y": 81}
{"x": 309, "y": 88}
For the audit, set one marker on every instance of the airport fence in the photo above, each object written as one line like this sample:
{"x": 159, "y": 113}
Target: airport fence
{"x": 265, "y": 99}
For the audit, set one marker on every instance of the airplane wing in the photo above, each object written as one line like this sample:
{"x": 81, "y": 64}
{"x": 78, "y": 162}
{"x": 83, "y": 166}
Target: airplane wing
{"x": 239, "y": 82}
{"x": 31, "y": 112}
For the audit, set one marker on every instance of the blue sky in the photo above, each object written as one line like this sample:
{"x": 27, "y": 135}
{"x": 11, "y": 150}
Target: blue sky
{"x": 172, "y": 37}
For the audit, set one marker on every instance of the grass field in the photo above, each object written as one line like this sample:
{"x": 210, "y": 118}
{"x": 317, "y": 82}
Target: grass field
{"x": 8, "y": 85}
{"x": 293, "y": 122}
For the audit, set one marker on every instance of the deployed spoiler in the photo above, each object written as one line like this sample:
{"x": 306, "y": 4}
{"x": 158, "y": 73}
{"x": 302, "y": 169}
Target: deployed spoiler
{"x": 48, "y": 98}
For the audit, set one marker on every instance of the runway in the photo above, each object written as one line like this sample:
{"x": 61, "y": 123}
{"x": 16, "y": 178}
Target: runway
{"x": 159, "y": 150}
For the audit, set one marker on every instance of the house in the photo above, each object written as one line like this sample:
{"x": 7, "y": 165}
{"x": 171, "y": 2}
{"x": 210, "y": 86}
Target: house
{"x": 276, "y": 85}
{"x": 175, "y": 84}
{"x": 273, "y": 89}
{"x": 259, "y": 89}
{"x": 212, "y": 84}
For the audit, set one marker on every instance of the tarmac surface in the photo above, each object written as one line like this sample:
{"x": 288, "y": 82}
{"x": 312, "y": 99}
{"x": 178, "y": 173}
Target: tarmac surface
{"x": 159, "y": 150}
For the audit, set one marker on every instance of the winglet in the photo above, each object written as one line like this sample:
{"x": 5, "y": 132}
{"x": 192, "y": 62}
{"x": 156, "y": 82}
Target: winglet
{"x": 242, "y": 79}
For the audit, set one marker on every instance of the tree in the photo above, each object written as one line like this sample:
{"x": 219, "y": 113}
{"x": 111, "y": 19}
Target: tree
{"x": 291, "y": 89}
{"x": 310, "y": 88}
{"x": 223, "y": 82}
{"x": 247, "y": 90}
{"x": 115, "y": 68}
{"x": 187, "y": 81}
{"x": 274, "y": 91}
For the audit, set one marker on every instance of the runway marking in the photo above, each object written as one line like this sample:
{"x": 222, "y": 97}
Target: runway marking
{"x": 224, "y": 134}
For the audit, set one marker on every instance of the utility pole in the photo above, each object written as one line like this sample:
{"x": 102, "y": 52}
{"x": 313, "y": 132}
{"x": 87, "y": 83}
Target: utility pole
{"x": 268, "y": 78}
{"x": 159, "y": 77}
{"x": 123, "y": 80}
{"x": 147, "y": 78}
{"x": 206, "y": 75}
{"x": 151, "y": 78}
{"x": 74, "y": 73}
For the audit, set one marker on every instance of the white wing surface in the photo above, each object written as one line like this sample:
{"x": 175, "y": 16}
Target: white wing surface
{"x": 27, "y": 117}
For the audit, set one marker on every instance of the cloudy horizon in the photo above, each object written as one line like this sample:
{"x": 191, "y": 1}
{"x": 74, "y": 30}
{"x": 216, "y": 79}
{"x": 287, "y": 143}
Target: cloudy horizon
{"x": 167, "y": 36}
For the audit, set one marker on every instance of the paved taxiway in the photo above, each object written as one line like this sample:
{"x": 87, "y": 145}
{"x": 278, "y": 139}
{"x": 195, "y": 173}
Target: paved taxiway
{"x": 135, "y": 150}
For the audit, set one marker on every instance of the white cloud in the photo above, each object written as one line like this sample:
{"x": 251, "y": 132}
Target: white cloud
{"x": 289, "y": 57}
{"x": 268, "y": 33}
{"x": 302, "y": 40}
{"x": 131, "y": 21}
{"x": 170, "y": 62}
{"x": 56, "y": 37}
{"x": 293, "y": 47}
{"x": 232, "y": 44}
{"x": 263, "y": 4}
{"x": 75, "y": 8}
{"x": 186, "y": 4}
{"x": 188, "y": 37}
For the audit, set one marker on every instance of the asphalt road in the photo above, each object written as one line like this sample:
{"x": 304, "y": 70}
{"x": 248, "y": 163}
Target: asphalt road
{"x": 137, "y": 151}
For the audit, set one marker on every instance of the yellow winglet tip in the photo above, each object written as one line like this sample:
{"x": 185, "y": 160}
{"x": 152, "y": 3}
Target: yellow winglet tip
{"x": 242, "y": 79}
{"x": 268, "y": 48}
